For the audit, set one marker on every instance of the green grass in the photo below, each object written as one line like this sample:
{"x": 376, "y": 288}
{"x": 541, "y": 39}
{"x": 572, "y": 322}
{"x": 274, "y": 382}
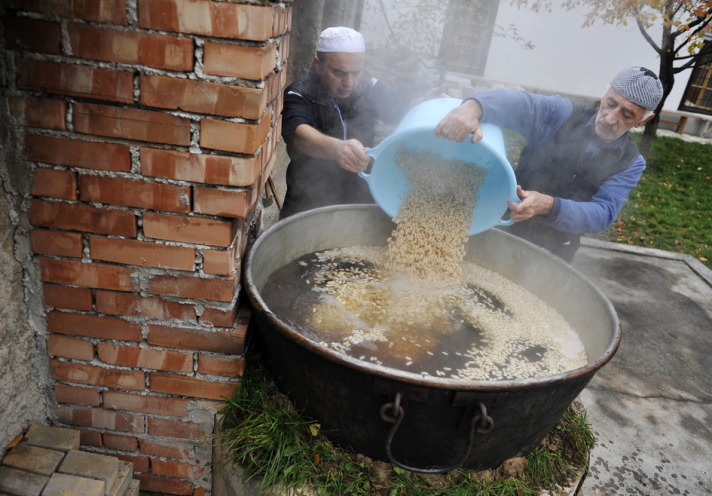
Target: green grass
{"x": 274, "y": 443}
{"x": 671, "y": 208}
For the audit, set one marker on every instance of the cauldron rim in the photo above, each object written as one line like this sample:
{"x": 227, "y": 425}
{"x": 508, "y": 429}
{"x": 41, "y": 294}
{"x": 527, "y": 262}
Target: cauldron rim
{"x": 409, "y": 377}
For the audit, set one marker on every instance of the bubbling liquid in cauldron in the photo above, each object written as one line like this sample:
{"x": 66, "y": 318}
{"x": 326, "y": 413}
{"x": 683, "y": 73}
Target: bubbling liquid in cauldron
{"x": 484, "y": 328}
{"x": 415, "y": 305}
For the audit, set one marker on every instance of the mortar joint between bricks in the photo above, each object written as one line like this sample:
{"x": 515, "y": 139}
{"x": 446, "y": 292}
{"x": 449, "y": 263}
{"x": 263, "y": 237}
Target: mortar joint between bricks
{"x": 194, "y": 134}
{"x": 132, "y": 13}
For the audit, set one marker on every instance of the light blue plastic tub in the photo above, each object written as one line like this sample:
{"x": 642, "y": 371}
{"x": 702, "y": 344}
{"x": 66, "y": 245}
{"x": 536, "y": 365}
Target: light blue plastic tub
{"x": 388, "y": 185}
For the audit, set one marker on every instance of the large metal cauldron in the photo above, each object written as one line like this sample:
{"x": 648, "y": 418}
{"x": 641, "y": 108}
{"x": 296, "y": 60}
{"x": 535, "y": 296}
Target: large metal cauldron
{"x": 425, "y": 424}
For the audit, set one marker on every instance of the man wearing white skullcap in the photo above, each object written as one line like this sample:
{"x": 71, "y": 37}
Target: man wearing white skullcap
{"x": 578, "y": 165}
{"x": 329, "y": 119}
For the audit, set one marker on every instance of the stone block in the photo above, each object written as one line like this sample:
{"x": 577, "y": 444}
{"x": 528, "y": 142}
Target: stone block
{"x": 54, "y": 438}
{"x": 33, "y": 459}
{"x": 133, "y": 488}
{"x": 64, "y": 484}
{"x": 21, "y": 483}
{"x": 123, "y": 479}
{"x": 92, "y": 466}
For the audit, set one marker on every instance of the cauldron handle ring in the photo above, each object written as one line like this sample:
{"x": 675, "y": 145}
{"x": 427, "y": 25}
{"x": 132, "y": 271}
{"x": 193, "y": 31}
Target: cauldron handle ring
{"x": 480, "y": 422}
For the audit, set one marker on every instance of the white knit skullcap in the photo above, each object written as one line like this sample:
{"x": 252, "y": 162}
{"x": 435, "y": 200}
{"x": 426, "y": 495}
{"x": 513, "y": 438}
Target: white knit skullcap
{"x": 639, "y": 85}
{"x": 341, "y": 39}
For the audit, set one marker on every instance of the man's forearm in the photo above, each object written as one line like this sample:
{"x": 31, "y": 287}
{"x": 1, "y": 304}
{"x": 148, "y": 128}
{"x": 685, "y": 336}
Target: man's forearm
{"x": 314, "y": 143}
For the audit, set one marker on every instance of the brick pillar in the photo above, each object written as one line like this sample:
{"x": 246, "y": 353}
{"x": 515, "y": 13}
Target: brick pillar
{"x": 149, "y": 128}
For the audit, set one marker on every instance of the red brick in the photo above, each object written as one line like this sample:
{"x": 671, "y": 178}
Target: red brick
{"x": 90, "y": 438}
{"x": 228, "y": 366}
{"x": 199, "y": 288}
{"x": 203, "y": 97}
{"x": 82, "y": 373}
{"x": 140, "y": 463}
{"x": 226, "y": 203}
{"x": 133, "y": 305}
{"x": 283, "y": 50}
{"x": 144, "y": 358}
{"x": 76, "y": 80}
{"x": 88, "y": 275}
{"x": 190, "y": 386}
{"x": 129, "y": 123}
{"x": 40, "y": 112}
{"x": 166, "y": 448}
{"x": 177, "y": 428}
{"x": 100, "y": 418}
{"x": 159, "y": 405}
{"x": 77, "y": 217}
{"x": 93, "y": 326}
{"x": 255, "y": 62}
{"x": 73, "y": 153}
{"x": 274, "y": 85}
{"x": 235, "y": 137}
{"x": 219, "y": 317}
{"x": 164, "y": 485}
{"x": 232, "y": 342}
{"x": 179, "y": 470}
{"x": 200, "y": 168}
{"x": 216, "y": 19}
{"x": 64, "y": 393}
{"x": 283, "y": 21}
{"x": 60, "y": 243}
{"x": 66, "y": 297}
{"x": 199, "y": 230}
{"x": 131, "y": 47}
{"x": 32, "y": 35}
{"x": 218, "y": 262}
{"x": 120, "y": 442}
{"x": 146, "y": 253}
{"x": 109, "y": 11}
{"x": 55, "y": 184}
{"x": 133, "y": 193}
{"x": 62, "y": 346}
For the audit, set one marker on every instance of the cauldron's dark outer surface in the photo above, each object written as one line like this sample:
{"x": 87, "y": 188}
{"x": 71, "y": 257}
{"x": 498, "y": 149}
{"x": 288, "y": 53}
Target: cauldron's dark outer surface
{"x": 346, "y": 395}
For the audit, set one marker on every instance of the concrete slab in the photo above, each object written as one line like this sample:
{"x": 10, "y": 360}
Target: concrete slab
{"x": 64, "y": 484}
{"x": 651, "y": 405}
{"x": 92, "y": 466}
{"x": 21, "y": 483}
{"x": 54, "y": 438}
{"x": 33, "y": 459}
{"x": 133, "y": 488}
{"x": 123, "y": 479}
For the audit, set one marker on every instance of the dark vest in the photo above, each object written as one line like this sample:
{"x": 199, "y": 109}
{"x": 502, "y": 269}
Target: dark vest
{"x": 560, "y": 167}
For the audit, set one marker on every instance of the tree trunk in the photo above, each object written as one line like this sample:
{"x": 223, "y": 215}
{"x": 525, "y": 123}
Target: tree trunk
{"x": 646, "y": 142}
{"x": 667, "y": 78}
{"x": 304, "y": 37}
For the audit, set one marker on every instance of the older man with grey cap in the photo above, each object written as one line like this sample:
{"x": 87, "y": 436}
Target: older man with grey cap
{"x": 578, "y": 165}
{"x": 328, "y": 121}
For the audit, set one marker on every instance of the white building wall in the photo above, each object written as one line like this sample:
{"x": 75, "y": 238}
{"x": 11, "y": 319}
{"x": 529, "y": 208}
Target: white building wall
{"x": 567, "y": 57}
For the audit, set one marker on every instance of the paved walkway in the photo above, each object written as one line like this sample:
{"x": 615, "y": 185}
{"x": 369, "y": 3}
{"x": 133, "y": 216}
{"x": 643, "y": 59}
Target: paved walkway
{"x": 651, "y": 405}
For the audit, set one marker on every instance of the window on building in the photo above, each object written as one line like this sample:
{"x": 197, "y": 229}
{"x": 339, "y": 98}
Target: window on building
{"x": 467, "y": 35}
{"x": 698, "y": 94}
